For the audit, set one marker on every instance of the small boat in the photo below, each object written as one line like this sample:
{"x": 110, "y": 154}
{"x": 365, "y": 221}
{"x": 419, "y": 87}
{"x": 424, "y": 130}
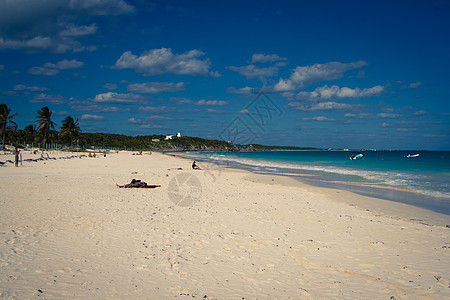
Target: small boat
{"x": 412, "y": 155}
{"x": 355, "y": 156}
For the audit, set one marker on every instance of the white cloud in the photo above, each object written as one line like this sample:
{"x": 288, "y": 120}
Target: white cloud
{"x": 388, "y": 108}
{"x": 158, "y": 118}
{"x": 8, "y": 93}
{"x": 388, "y": 116}
{"x": 181, "y": 101}
{"x": 112, "y": 97}
{"x": 321, "y": 106}
{"x": 157, "y": 109}
{"x": 372, "y": 116}
{"x": 134, "y": 121}
{"x": 263, "y": 58}
{"x": 65, "y": 65}
{"x": 49, "y": 99}
{"x": 241, "y": 91}
{"x": 21, "y": 87}
{"x": 92, "y": 117}
{"x": 413, "y": 124}
{"x": 421, "y": 113}
{"x": 302, "y": 77}
{"x": 100, "y": 7}
{"x": 202, "y": 102}
{"x": 151, "y": 126}
{"x": 43, "y": 71}
{"x": 360, "y": 116}
{"x": 252, "y": 71}
{"x": 156, "y": 87}
{"x": 76, "y": 31}
{"x": 148, "y": 119}
{"x": 47, "y": 25}
{"x": 110, "y": 86}
{"x": 211, "y": 102}
{"x": 214, "y": 111}
{"x": 335, "y": 92}
{"x": 163, "y": 61}
{"x": 415, "y": 85}
{"x": 319, "y": 119}
{"x": 61, "y": 113}
{"x": 89, "y": 107}
{"x": 41, "y": 43}
{"x": 51, "y": 69}
{"x": 28, "y": 13}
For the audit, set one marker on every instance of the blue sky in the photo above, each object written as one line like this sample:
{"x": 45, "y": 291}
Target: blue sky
{"x": 340, "y": 74}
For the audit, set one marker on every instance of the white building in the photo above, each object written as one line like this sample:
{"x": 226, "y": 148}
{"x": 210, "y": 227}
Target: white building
{"x": 171, "y": 136}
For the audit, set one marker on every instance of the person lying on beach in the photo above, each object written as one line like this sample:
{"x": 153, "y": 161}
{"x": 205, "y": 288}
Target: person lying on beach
{"x": 137, "y": 183}
{"x": 194, "y": 166}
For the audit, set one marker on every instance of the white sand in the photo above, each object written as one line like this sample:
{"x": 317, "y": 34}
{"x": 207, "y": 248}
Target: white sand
{"x": 67, "y": 232}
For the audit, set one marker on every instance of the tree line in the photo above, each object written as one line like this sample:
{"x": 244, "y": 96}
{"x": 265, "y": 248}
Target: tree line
{"x": 44, "y": 132}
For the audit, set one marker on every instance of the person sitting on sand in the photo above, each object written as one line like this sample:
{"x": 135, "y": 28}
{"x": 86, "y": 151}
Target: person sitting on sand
{"x": 194, "y": 166}
{"x": 137, "y": 183}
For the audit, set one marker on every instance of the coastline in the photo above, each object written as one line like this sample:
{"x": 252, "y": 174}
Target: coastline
{"x": 387, "y": 207}
{"x": 438, "y": 204}
{"x": 67, "y": 231}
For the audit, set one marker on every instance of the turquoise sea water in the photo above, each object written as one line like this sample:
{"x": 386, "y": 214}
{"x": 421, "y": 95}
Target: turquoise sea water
{"x": 423, "y": 181}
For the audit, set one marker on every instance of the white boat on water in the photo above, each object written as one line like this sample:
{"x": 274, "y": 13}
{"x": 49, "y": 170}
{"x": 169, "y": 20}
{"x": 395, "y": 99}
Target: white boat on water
{"x": 412, "y": 155}
{"x": 355, "y": 156}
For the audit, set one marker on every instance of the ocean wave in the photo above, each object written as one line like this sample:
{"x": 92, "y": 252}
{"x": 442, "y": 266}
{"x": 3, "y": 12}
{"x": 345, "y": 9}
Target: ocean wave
{"x": 414, "y": 182}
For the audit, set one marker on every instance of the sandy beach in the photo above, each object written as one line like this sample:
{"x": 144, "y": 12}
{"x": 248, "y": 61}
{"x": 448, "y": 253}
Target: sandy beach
{"x": 68, "y": 232}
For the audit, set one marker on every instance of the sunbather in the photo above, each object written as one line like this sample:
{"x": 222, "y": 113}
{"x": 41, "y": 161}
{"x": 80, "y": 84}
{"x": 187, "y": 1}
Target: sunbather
{"x": 137, "y": 183}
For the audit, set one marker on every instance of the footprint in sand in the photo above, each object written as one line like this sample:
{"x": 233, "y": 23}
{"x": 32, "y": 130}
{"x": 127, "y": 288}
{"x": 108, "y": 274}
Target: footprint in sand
{"x": 184, "y": 189}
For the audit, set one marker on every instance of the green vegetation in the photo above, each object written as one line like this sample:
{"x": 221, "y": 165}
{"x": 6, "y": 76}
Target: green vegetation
{"x": 5, "y": 118}
{"x": 71, "y": 137}
{"x": 70, "y": 129}
{"x": 45, "y": 124}
{"x": 147, "y": 142}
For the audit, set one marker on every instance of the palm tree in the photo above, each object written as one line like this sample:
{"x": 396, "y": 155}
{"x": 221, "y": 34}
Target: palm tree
{"x": 70, "y": 129}
{"x": 29, "y": 133}
{"x": 5, "y": 117}
{"x": 45, "y": 123}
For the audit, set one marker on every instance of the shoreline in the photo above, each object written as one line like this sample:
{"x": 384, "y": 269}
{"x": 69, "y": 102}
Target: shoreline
{"x": 66, "y": 231}
{"x": 391, "y": 208}
{"x": 382, "y": 205}
{"x": 384, "y": 192}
